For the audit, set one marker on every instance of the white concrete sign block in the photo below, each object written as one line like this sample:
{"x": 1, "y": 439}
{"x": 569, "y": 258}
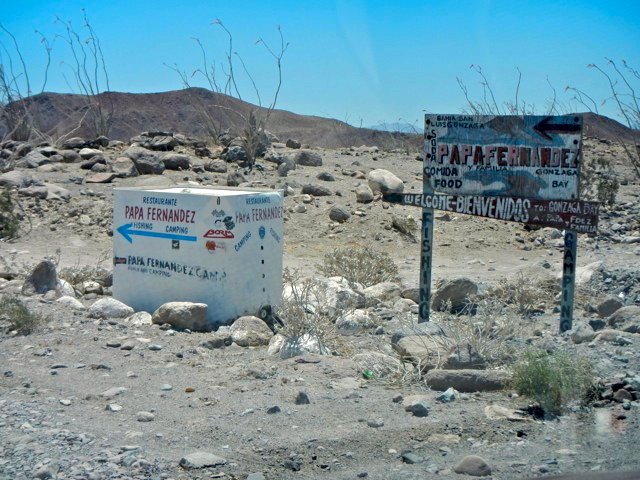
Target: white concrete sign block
{"x": 222, "y": 247}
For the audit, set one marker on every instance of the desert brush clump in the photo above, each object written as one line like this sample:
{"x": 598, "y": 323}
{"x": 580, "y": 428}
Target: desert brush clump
{"x": 553, "y": 379}
{"x": 526, "y": 294}
{"x": 360, "y": 266}
{"x": 305, "y": 313}
{"x": 484, "y": 333}
{"x": 19, "y": 318}
{"x": 9, "y": 220}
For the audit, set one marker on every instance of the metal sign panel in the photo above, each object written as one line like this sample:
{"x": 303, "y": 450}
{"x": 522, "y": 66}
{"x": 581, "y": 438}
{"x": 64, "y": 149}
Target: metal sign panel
{"x": 574, "y": 215}
{"x": 536, "y": 157}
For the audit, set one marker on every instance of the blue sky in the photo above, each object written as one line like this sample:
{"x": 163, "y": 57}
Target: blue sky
{"x": 366, "y": 62}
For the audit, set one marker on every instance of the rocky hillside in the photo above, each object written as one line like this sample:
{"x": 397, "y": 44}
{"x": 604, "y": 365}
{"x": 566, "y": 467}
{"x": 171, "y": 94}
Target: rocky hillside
{"x": 195, "y": 111}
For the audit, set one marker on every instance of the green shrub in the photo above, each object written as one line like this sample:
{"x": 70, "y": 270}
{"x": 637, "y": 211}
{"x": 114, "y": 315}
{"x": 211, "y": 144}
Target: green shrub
{"x": 19, "y": 317}
{"x": 9, "y": 222}
{"x": 359, "y": 266}
{"x": 553, "y": 379}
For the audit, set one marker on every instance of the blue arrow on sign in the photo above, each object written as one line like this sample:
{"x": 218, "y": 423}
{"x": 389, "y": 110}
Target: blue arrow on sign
{"x": 126, "y": 232}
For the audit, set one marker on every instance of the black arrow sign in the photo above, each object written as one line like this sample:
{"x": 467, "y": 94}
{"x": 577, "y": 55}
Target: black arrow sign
{"x": 543, "y": 128}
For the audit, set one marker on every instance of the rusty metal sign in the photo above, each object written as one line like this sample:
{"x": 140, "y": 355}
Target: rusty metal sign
{"x": 536, "y": 157}
{"x": 574, "y": 215}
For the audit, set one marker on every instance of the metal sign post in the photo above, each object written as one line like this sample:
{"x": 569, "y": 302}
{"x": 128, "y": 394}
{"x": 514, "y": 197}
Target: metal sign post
{"x": 515, "y": 168}
{"x": 568, "y": 279}
{"x": 426, "y": 250}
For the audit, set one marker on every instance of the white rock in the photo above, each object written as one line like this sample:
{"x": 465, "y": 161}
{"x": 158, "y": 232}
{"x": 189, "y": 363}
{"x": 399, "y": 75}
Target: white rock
{"x": 355, "y": 320}
{"x": 381, "y": 292}
{"x": 307, "y": 343}
{"x": 139, "y": 318}
{"x": 182, "y": 315}
{"x": 65, "y": 288}
{"x": 86, "y": 153}
{"x": 71, "y": 302}
{"x": 250, "y": 331}
{"x": 384, "y": 181}
{"x": 364, "y": 194}
{"x": 109, "y": 308}
{"x": 275, "y": 344}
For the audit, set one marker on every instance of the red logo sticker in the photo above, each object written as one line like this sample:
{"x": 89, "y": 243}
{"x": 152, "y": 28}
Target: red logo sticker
{"x": 219, "y": 234}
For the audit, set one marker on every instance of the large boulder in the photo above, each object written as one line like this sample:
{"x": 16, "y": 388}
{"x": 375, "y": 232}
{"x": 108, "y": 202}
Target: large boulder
{"x": 182, "y": 315}
{"x": 454, "y": 295}
{"x": 109, "y": 308}
{"x": 42, "y": 278}
{"x": 33, "y": 159}
{"x": 146, "y": 161}
{"x": 123, "y": 167}
{"x": 301, "y": 345}
{"x": 315, "y": 190}
{"x": 250, "y": 331}
{"x": 339, "y": 214}
{"x": 381, "y": 292}
{"x": 176, "y": 161}
{"x": 307, "y": 159}
{"x": 338, "y": 296}
{"x": 468, "y": 380}
{"x": 380, "y": 365}
{"x": 383, "y": 181}
{"x": 626, "y": 319}
{"x": 16, "y": 179}
{"x": 608, "y": 306}
{"x": 364, "y": 194}
{"x": 354, "y": 321}
{"x": 425, "y": 352}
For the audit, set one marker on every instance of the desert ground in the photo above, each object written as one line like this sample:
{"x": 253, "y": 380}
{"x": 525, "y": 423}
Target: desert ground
{"x": 92, "y": 396}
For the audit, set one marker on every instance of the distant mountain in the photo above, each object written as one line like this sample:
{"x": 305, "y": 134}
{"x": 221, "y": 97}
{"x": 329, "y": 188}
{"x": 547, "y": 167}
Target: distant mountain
{"x": 402, "y": 127}
{"x": 192, "y": 111}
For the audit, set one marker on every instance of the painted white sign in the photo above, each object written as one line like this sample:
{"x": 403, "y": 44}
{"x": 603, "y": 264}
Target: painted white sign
{"x": 222, "y": 247}
{"x": 535, "y": 157}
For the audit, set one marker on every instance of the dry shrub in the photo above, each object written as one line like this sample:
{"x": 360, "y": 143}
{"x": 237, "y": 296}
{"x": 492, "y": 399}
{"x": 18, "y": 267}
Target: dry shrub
{"x": 19, "y": 317}
{"x": 360, "y": 265}
{"x": 9, "y": 221}
{"x": 304, "y": 312}
{"x": 486, "y": 335}
{"x": 78, "y": 274}
{"x": 525, "y": 292}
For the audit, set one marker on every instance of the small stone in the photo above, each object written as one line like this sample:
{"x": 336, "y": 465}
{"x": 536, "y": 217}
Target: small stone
{"x": 412, "y": 458}
{"x": 448, "y": 395}
{"x": 113, "y": 344}
{"x": 201, "y": 460}
{"x": 154, "y": 347}
{"x": 166, "y": 387}
{"x": 113, "y": 392}
{"x": 189, "y": 390}
{"x": 274, "y": 409}
{"x": 302, "y": 398}
{"x": 621, "y": 395}
{"x": 128, "y": 345}
{"x": 113, "y": 407}
{"x": 375, "y": 422}
{"x": 66, "y": 402}
{"x": 145, "y": 416}
{"x": 473, "y": 465}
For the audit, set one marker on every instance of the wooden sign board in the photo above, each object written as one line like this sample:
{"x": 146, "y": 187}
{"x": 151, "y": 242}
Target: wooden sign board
{"x": 574, "y": 215}
{"x": 516, "y": 168}
{"x": 529, "y": 156}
